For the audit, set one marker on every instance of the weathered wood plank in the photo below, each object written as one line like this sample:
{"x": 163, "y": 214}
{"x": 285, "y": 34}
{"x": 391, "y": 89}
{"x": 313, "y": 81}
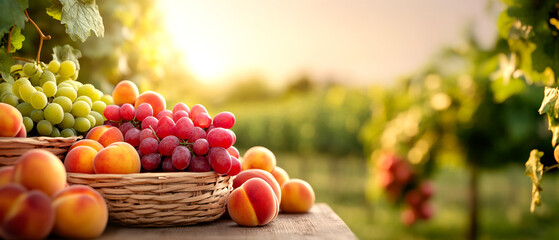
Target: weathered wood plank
{"x": 320, "y": 223}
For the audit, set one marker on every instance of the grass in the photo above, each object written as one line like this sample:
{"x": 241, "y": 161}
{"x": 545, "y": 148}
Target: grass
{"x": 504, "y": 199}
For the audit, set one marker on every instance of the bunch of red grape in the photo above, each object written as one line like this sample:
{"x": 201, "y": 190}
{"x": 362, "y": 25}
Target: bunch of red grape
{"x": 397, "y": 179}
{"x": 179, "y": 140}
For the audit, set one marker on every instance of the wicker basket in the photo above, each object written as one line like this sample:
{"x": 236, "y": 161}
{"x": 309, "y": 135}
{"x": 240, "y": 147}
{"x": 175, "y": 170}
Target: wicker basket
{"x": 160, "y": 199}
{"x": 11, "y": 148}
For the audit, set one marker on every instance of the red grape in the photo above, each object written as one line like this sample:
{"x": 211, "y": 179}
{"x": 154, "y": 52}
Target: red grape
{"x": 201, "y": 146}
{"x": 235, "y": 167}
{"x": 133, "y": 137}
{"x": 181, "y": 157}
{"x": 195, "y": 133}
{"x": 183, "y": 126}
{"x": 165, "y": 113}
{"x": 149, "y": 145}
{"x": 168, "y": 144}
{"x": 224, "y": 120}
{"x": 234, "y": 136}
{"x": 144, "y": 110}
{"x": 165, "y": 127}
{"x": 203, "y": 120}
{"x": 151, "y": 161}
{"x": 125, "y": 127}
{"x": 147, "y": 133}
{"x": 195, "y": 110}
{"x": 199, "y": 164}
{"x": 179, "y": 114}
{"x": 233, "y": 152}
{"x": 220, "y": 137}
{"x": 150, "y": 121}
{"x": 181, "y": 106}
{"x": 220, "y": 160}
{"x": 112, "y": 112}
{"x": 111, "y": 123}
{"x": 127, "y": 111}
{"x": 167, "y": 165}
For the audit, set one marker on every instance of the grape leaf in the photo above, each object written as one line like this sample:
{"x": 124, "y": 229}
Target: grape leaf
{"x": 16, "y": 39}
{"x": 55, "y": 10}
{"x": 81, "y": 17}
{"x": 549, "y": 100}
{"x": 67, "y": 52}
{"x": 534, "y": 170}
{"x": 502, "y": 91}
{"x": 12, "y": 13}
{"x": 6, "y": 62}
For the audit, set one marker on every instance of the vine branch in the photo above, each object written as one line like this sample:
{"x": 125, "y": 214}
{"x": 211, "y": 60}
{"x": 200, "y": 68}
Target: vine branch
{"x": 42, "y": 37}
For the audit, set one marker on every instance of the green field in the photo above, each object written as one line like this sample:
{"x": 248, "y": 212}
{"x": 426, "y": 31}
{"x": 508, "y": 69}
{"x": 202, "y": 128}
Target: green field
{"x": 503, "y": 213}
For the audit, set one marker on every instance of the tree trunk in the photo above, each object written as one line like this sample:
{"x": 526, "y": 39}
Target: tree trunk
{"x": 473, "y": 202}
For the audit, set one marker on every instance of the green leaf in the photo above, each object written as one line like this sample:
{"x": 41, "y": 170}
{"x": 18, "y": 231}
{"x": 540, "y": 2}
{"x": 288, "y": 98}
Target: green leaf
{"x": 504, "y": 90}
{"x": 6, "y": 62}
{"x": 67, "y": 52}
{"x": 55, "y": 10}
{"x": 16, "y": 39}
{"x": 534, "y": 170}
{"x": 12, "y": 13}
{"x": 81, "y": 17}
{"x": 549, "y": 100}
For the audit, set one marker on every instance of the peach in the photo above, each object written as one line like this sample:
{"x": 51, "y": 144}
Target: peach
{"x": 125, "y": 92}
{"x": 280, "y": 175}
{"x": 80, "y": 160}
{"x": 253, "y": 203}
{"x": 259, "y": 157}
{"x": 297, "y": 196}
{"x": 30, "y": 216}
{"x": 22, "y": 132}
{"x": 40, "y": 170}
{"x": 6, "y": 175}
{"x": 119, "y": 157}
{"x": 156, "y": 101}
{"x": 81, "y": 212}
{"x": 10, "y": 193}
{"x": 11, "y": 120}
{"x": 87, "y": 142}
{"x": 246, "y": 175}
{"x": 105, "y": 135}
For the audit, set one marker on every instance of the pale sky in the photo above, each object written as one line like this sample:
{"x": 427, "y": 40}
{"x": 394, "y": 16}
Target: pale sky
{"x": 356, "y": 40}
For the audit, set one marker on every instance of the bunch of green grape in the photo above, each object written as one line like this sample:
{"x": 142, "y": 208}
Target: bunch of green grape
{"x": 51, "y": 101}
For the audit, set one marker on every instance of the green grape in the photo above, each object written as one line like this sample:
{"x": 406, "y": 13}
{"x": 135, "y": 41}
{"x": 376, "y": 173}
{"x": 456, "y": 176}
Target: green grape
{"x": 75, "y": 76}
{"x": 67, "y": 132}
{"x": 54, "y": 113}
{"x": 25, "y": 109}
{"x": 53, "y": 66}
{"x": 28, "y": 123}
{"x": 36, "y": 79}
{"x": 82, "y": 124}
{"x": 85, "y": 99}
{"x": 99, "y": 119}
{"x": 39, "y": 100}
{"x": 30, "y": 69}
{"x": 107, "y": 99}
{"x": 67, "y": 92}
{"x": 64, "y": 102}
{"x": 20, "y": 82}
{"x": 65, "y": 84}
{"x": 37, "y": 115}
{"x": 47, "y": 76}
{"x": 97, "y": 95}
{"x": 10, "y": 99}
{"x": 55, "y": 132}
{"x": 76, "y": 85}
{"x": 44, "y": 127}
{"x": 26, "y": 91}
{"x": 5, "y": 86}
{"x": 80, "y": 109}
{"x": 68, "y": 121}
{"x": 61, "y": 80}
{"x": 67, "y": 69}
{"x": 16, "y": 67}
{"x": 49, "y": 88}
{"x": 86, "y": 90}
{"x": 98, "y": 106}
{"x": 91, "y": 119}
{"x": 37, "y": 88}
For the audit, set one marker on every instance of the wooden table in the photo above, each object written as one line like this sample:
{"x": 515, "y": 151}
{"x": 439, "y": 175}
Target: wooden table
{"x": 320, "y": 223}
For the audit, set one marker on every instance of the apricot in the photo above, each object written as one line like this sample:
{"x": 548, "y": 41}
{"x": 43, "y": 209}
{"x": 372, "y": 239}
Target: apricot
{"x": 260, "y": 158}
{"x": 118, "y": 158}
{"x": 30, "y": 216}
{"x": 81, "y": 212}
{"x": 11, "y": 120}
{"x": 297, "y": 196}
{"x": 246, "y": 175}
{"x": 87, "y": 142}
{"x": 105, "y": 135}
{"x": 155, "y": 99}
{"x": 253, "y": 204}
{"x": 125, "y": 92}
{"x": 40, "y": 170}
{"x": 280, "y": 175}
{"x": 6, "y": 175}
{"x": 80, "y": 160}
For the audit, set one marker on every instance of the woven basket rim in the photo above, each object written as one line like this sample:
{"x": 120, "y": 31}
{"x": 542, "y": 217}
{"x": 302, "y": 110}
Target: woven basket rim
{"x": 141, "y": 175}
{"x": 41, "y": 138}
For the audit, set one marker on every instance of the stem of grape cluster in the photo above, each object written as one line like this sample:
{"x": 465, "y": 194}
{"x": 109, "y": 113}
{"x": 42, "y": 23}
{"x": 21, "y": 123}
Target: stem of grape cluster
{"x": 42, "y": 37}
{"x": 545, "y": 169}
